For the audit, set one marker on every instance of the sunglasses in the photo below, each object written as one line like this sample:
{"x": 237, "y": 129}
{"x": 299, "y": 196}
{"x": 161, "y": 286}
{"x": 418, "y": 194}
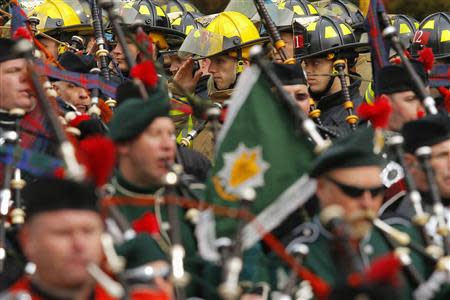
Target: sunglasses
{"x": 355, "y": 192}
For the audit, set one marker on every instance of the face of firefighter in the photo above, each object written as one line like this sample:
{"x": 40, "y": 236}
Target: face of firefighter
{"x": 74, "y": 94}
{"x": 317, "y": 70}
{"x": 62, "y": 243}
{"x": 51, "y": 46}
{"x": 223, "y": 71}
{"x": 174, "y": 62}
{"x": 157, "y": 142}
{"x": 15, "y": 88}
{"x": 405, "y": 107}
{"x": 119, "y": 55}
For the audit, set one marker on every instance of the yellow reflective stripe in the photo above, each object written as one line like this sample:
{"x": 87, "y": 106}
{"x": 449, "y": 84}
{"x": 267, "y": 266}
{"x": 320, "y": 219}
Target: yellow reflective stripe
{"x": 128, "y": 5}
{"x": 429, "y": 25}
{"x": 404, "y": 28}
{"x": 143, "y": 10}
{"x": 330, "y": 32}
{"x": 312, "y": 9}
{"x": 345, "y": 29}
{"x": 189, "y": 7}
{"x": 188, "y": 29}
{"x": 160, "y": 12}
{"x": 416, "y": 24}
{"x": 298, "y": 10}
{"x": 312, "y": 26}
{"x": 183, "y": 133}
{"x": 369, "y": 94}
{"x": 175, "y": 112}
{"x": 282, "y": 4}
{"x": 177, "y": 21}
{"x": 445, "y": 35}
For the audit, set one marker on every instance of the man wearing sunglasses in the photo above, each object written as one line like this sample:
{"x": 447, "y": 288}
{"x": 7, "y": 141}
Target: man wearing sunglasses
{"x": 348, "y": 177}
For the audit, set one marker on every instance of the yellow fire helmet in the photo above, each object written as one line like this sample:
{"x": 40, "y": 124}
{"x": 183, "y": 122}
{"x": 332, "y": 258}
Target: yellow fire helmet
{"x": 56, "y": 16}
{"x": 151, "y": 18}
{"x": 229, "y": 32}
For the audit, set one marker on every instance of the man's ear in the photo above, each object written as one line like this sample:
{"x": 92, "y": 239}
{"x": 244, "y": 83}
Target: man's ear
{"x": 23, "y": 238}
{"x": 123, "y": 148}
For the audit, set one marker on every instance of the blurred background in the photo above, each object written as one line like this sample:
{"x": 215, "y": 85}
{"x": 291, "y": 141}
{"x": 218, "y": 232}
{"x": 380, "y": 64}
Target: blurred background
{"x": 415, "y": 8}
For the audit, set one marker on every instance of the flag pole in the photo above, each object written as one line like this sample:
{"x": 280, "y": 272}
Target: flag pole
{"x": 308, "y": 125}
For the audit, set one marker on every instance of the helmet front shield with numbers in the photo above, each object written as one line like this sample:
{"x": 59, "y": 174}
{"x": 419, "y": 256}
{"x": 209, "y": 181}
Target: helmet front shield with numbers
{"x": 433, "y": 32}
{"x": 201, "y": 43}
{"x": 318, "y": 36}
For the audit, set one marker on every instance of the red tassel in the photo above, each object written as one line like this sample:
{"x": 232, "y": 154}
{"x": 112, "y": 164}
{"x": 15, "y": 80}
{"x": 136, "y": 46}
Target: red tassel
{"x": 446, "y": 94}
{"x": 420, "y": 114}
{"x": 78, "y": 119}
{"x": 426, "y": 57}
{"x": 396, "y": 60}
{"x": 378, "y": 113}
{"x": 59, "y": 173}
{"x": 407, "y": 54}
{"x": 385, "y": 269}
{"x": 145, "y": 72}
{"x": 99, "y": 155}
{"x": 105, "y": 111}
{"x": 146, "y": 224}
{"x": 22, "y": 33}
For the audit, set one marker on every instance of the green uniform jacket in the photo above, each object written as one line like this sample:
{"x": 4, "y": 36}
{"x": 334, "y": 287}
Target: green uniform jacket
{"x": 193, "y": 263}
{"x": 323, "y": 263}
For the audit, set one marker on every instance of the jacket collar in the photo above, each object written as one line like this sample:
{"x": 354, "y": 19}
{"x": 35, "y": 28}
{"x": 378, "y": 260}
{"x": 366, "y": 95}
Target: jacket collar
{"x": 336, "y": 99}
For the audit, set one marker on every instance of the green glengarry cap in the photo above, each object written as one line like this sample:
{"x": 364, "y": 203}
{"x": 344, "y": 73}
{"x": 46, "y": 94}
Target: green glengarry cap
{"x": 353, "y": 150}
{"x": 134, "y": 115}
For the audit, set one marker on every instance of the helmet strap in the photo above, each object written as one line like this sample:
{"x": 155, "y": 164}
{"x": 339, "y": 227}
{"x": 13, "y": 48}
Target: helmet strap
{"x": 240, "y": 62}
{"x": 318, "y": 95}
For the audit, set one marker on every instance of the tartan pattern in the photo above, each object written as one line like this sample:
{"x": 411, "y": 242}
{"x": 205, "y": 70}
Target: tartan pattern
{"x": 19, "y": 17}
{"x": 379, "y": 48}
{"x": 440, "y": 76}
{"x": 32, "y": 162}
{"x": 87, "y": 81}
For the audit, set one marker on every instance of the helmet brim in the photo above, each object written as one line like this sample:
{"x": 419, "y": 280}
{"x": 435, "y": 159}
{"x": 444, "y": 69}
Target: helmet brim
{"x": 358, "y": 48}
{"x": 259, "y": 41}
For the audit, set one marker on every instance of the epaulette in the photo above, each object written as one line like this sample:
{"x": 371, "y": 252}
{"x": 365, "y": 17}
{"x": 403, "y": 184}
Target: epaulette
{"x": 305, "y": 233}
